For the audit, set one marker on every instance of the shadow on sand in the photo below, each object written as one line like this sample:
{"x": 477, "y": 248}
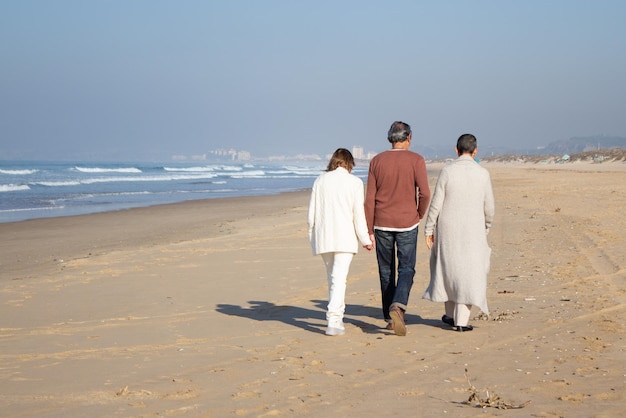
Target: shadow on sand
{"x": 313, "y": 319}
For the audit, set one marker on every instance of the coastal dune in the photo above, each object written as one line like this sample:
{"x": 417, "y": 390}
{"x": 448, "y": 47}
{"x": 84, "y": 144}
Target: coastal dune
{"x": 216, "y": 308}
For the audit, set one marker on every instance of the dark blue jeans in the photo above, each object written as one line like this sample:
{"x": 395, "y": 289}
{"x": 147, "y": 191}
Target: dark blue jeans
{"x": 389, "y": 246}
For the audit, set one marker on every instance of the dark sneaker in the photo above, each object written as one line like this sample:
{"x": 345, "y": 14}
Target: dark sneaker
{"x": 466, "y": 328}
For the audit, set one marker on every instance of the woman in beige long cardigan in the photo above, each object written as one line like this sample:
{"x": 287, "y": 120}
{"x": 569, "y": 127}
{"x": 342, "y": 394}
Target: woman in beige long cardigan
{"x": 459, "y": 217}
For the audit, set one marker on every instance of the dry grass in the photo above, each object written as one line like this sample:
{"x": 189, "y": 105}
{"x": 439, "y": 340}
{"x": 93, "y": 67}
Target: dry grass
{"x": 491, "y": 399}
{"x": 595, "y": 156}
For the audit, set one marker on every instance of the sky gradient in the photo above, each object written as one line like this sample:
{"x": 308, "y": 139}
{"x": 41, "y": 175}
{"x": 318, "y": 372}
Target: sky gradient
{"x": 146, "y": 79}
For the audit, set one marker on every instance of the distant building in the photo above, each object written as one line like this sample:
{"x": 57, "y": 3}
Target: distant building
{"x": 358, "y": 153}
{"x": 232, "y": 154}
{"x": 243, "y": 156}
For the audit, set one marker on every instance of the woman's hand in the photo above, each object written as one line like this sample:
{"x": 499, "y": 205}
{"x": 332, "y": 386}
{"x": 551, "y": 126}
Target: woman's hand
{"x": 430, "y": 240}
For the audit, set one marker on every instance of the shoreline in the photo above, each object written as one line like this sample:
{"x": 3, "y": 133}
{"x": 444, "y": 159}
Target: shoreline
{"x": 124, "y": 229}
{"x": 433, "y": 166}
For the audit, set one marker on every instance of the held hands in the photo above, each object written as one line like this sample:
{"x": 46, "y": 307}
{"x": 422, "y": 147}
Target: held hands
{"x": 372, "y": 245}
{"x": 430, "y": 240}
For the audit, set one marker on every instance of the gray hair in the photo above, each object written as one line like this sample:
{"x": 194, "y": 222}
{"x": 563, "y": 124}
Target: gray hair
{"x": 399, "y": 132}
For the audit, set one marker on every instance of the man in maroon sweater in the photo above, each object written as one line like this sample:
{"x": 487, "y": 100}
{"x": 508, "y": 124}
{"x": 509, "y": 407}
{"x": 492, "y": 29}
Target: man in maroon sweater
{"x": 397, "y": 198}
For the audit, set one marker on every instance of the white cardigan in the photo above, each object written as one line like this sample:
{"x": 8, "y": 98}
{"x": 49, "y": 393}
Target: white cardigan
{"x": 336, "y": 214}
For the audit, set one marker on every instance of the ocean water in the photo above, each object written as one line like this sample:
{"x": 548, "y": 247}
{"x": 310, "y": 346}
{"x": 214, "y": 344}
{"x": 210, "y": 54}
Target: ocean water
{"x": 30, "y": 190}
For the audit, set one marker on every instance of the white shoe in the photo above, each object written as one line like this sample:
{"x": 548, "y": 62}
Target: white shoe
{"x": 335, "y": 331}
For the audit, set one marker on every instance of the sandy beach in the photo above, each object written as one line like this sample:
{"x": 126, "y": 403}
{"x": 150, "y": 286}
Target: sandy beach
{"x": 216, "y": 308}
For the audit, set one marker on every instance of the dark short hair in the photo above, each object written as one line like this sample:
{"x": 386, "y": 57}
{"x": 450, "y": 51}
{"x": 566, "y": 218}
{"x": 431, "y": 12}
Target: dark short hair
{"x": 399, "y": 132}
{"x": 466, "y": 144}
{"x": 341, "y": 158}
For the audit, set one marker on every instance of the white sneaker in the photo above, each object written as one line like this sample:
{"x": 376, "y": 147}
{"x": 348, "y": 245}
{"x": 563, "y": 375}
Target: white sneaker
{"x": 335, "y": 331}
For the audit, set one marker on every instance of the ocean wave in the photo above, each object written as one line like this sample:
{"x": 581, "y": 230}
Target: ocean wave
{"x": 57, "y": 183}
{"x": 252, "y": 174}
{"x": 118, "y": 179}
{"x": 232, "y": 167}
{"x": 284, "y": 176}
{"x": 108, "y": 170}
{"x": 18, "y": 172}
{"x": 297, "y": 169}
{"x": 189, "y": 169}
{"x": 172, "y": 177}
{"x": 59, "y": 189}
{"x": 297, "y": 172}
{"x": 43, "y": 208}
{"x": 87, "y": 196}
{"x": 206, "y": 168}
{"x": 13, "y": 187}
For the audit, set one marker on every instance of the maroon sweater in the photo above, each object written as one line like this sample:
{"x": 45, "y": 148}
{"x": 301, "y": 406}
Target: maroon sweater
{"x": 397, "y": 190}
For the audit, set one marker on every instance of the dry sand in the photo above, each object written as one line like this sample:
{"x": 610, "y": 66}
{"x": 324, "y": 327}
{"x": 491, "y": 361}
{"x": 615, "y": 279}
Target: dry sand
{"x": 216, "y": 308}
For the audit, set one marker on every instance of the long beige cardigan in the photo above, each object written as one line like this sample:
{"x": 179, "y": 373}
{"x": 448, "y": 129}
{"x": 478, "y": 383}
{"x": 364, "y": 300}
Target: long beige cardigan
{"x": 460, "y": 214}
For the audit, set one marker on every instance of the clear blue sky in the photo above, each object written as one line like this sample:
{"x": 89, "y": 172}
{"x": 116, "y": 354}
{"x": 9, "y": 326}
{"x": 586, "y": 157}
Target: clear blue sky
{"x": 139, "y": 79}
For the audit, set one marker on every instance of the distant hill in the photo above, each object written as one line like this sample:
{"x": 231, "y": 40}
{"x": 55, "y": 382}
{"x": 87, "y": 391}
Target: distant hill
{"x": 616, "y": 154}
{"x": 567, "y": 146}
{"x": 582, "y": 144}
{"x": 436, "y": 152}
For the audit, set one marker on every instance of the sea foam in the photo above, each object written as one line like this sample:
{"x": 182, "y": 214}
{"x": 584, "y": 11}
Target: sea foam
{"x": 13, "y": 187}
{"x": 18, "y": 172}
{"x": 108, "y": 170}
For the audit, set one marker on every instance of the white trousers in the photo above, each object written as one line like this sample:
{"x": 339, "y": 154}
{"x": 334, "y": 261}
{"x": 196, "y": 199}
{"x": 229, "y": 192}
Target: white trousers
{"x": 459, "y": 311}
{"x": 337, "y": 267}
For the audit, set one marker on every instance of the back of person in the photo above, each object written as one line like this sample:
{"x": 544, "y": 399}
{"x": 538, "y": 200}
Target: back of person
{"x": 396, "y": 199}
{"x": 466, "y": 185}
{"x": 336, "y": 221}
{"x": 340, "y": 195}
{"x": 396, "y": 174}
{"x": 458, "y": 221}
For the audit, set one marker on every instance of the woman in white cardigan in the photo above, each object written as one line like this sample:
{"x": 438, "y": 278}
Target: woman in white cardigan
{"x": 336, "y": 220}
{"x": 459, "y": 217}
